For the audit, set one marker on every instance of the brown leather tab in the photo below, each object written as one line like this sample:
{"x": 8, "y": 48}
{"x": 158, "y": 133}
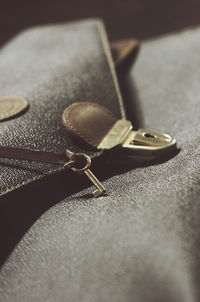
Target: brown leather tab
{"x": 124, "y": 52}
{"x": 89, "y": 121}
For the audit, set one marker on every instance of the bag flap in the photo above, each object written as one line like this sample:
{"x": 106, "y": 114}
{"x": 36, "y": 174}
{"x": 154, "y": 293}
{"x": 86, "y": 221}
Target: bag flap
{"x": 53, "y": 67}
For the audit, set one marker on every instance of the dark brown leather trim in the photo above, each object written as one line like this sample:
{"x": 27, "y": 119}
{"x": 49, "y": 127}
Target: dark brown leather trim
{"x": 89, "y": 121}
{"x": 124, "y": 52}
{"x": 33, "y": 155}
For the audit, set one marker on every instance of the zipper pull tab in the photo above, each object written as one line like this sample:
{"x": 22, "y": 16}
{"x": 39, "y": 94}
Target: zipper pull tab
{"x": 83, "y": 162}
{"x": 142, "y": 143}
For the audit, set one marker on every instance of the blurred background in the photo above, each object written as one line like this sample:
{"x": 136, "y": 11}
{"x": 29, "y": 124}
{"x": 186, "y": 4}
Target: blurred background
{"x": 124, "y": 18}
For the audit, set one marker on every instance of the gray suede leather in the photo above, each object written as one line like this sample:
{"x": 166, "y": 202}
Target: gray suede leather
{"x": 52, "y": 67}
{"x": 140, "y": 242}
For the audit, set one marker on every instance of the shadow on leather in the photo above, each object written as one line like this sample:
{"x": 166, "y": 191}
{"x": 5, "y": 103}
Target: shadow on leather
{"x": 21, "y": 208}
{"x": 131, "y": 100}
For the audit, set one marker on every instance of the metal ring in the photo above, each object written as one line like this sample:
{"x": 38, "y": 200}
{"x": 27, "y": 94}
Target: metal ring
{"x": 68, "y": 164}
{"x": 87, "y": 165}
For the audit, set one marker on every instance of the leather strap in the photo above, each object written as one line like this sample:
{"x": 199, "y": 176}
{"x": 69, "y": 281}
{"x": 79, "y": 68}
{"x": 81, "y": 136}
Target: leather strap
{"x": 33, "y": 155}
{"x": 89, "y": 121}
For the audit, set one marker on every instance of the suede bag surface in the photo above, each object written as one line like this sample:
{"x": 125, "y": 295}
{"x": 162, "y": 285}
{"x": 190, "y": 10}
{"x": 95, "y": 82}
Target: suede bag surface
{"x": 141, "y": 241}
{"x": 53, "y": 67}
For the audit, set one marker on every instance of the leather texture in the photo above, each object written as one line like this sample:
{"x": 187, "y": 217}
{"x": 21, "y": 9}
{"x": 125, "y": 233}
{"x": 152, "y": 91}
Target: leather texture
{"x": 141, "y": 241}
{"x": 52, "y": 67}
{"x": 88, "y": 121}
{"x": 122, "y": 52}
{"x": 33, "y": 155}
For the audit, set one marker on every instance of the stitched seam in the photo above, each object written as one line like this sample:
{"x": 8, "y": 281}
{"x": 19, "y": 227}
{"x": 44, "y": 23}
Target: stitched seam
{"x": 69, "y": 123}
{"x": 41, "y": 176}
{"x": 108, "y": 54}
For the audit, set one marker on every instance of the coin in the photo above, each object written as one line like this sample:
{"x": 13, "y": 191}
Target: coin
{"x": 11, "y": 106}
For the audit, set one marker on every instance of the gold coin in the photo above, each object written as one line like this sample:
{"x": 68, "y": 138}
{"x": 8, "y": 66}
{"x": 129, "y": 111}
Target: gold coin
{"x": 10, "y": 106}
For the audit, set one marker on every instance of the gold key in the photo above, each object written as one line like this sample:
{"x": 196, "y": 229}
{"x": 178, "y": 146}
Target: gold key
{"x": 73, "y": 156}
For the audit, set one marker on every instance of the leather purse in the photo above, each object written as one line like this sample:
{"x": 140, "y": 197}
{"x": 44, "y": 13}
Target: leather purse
{"x": 139, "y": 242}
{"x": 70, "y": 76}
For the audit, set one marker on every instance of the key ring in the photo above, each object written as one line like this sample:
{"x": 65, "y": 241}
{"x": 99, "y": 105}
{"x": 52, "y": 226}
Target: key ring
{"x": 73, "y": 157}
{"x": 85, "y": 169}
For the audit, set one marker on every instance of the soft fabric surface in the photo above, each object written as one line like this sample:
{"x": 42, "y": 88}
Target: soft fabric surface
{"x": 52, "y": 67}
{"x": 140, "y": 242}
